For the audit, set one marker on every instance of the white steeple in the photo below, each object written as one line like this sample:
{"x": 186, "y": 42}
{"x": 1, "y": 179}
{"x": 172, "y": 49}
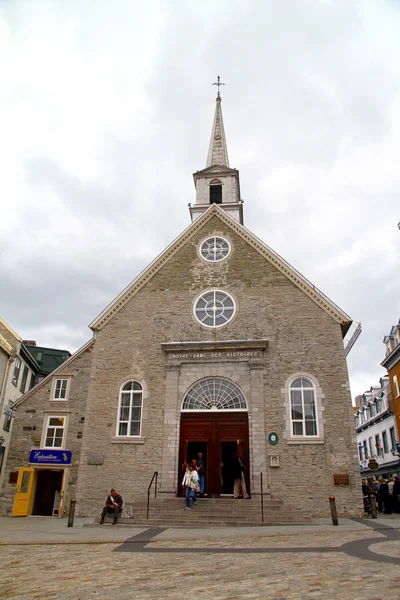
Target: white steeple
{"x": 218, "y": 151}
{"x": 217, "y": 183}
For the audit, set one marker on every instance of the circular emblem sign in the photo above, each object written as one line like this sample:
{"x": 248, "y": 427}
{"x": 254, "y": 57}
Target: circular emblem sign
{"x": 273, "y": 438}
{"x": 372, "y": 464}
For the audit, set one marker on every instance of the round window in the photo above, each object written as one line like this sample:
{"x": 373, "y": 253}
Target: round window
{"x": 215, "y": 249}
{"x": 214, "y": 309}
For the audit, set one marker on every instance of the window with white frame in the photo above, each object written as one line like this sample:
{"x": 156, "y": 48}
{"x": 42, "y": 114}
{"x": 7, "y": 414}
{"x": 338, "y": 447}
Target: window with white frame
{"x": 215, "y": 249}
{"x": 372, "y": 410}
{"x": 385, "y": 442}
{"x": 370, "y": 447}
{"x": 365, "y": 448}
{"x": 360, "y": 452}
{"x": 60, "y": 389}
{"x": 396, "y": 385}
{"x": 379, "y": 450}
{"x": 214, "y": 308}
{"x": 17, "y": 368}
{"x": 55, "y": 431}
{"x": 379, "y": 405}
{"x": 130, "y": 409}
{"x": 303, "y": 412}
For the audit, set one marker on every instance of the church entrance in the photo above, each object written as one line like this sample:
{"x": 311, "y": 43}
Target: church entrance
{"x": 217, "y": 435}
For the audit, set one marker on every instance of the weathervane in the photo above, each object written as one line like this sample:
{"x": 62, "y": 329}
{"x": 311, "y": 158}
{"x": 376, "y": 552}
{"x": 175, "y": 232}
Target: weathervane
{"x": 218, "y": 83}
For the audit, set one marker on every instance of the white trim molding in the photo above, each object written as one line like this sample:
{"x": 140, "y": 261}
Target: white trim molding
{"x": 319, "y": 405}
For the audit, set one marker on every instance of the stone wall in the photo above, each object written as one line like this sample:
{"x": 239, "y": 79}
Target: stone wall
{"x": 302, "y": 338}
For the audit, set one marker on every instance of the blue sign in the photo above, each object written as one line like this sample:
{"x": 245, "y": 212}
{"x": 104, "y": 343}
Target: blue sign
{"x": 398, "y": 447}
{"x": 50, "y": 456}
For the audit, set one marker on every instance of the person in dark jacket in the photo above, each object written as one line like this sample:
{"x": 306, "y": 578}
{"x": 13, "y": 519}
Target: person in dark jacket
{"x": 113, "y": 505}
{"x": 384, "y": 492}
{"x": 239, "y": 484}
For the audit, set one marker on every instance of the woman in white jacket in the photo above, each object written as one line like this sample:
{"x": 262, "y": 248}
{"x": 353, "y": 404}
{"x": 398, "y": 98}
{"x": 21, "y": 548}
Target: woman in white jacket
{"x": 190, "y": 483}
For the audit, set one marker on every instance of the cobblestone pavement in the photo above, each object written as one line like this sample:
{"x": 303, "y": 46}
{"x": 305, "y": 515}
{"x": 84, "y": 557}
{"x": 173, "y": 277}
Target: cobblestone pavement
{"x": 285, "y": 567}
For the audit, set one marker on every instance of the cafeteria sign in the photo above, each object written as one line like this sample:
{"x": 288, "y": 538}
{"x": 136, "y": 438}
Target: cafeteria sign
{"x": 50, "y": 457}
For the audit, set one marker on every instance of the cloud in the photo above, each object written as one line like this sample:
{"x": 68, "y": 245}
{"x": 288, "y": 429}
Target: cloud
{"x": 106, "y": 111}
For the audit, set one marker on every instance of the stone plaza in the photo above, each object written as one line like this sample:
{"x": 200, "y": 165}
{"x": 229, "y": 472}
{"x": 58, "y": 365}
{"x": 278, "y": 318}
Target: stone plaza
{"x": 43, "y": 559}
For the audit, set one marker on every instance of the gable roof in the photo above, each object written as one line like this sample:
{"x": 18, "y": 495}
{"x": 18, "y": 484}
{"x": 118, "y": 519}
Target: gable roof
{"x": 51, "y": 375}
{"x": 277, "y": 261}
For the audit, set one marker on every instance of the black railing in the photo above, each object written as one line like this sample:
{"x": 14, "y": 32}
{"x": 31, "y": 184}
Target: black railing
{"x": 262, "y": 498}
{"x": 155, "y": 476}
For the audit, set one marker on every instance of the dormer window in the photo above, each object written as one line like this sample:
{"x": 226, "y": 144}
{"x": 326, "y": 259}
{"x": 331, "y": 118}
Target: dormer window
{"x": 215, "y": 191}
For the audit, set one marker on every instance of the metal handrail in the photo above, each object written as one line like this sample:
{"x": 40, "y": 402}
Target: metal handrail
{"x": 262, "y": 498}
{"x": 155, "y": 476}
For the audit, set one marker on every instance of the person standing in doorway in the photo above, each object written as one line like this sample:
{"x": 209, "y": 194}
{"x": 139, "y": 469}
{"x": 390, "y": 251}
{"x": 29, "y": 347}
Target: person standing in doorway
{"x": 239, "y": 484}
{"x": 201, "y": 472}
{"x": 189, "y": 484}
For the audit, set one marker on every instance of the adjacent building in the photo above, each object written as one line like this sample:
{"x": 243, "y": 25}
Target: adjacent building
{"x": 19, "y": 373}
{"x": 376, "y": 432}
{"x": 392, "y": 364}
{"x": 219, "y": 346}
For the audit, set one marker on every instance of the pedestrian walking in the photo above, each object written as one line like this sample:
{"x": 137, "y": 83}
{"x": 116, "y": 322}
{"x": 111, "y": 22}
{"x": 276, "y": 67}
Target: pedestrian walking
{"x": 189, "y": 484}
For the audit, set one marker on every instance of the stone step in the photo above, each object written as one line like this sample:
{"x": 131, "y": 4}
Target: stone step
{"x": 192, "y": 524}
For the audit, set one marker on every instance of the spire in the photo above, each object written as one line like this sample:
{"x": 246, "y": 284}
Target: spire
{"x": 218, "y": 151}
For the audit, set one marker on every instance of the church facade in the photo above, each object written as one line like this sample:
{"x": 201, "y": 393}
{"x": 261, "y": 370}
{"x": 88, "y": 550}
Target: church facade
{"x": 219, "y": 346}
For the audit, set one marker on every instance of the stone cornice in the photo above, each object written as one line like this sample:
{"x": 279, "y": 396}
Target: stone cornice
{"x": 214, "y": 346}
{"x": 392, "y": 359}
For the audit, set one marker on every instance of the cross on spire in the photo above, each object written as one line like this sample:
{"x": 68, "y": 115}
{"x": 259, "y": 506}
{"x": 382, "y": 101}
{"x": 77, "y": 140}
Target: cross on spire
{"x": 218, "y": 83}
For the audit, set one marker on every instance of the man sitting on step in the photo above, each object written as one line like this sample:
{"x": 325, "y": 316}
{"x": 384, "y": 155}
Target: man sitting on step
{"x": 113, "y": 505}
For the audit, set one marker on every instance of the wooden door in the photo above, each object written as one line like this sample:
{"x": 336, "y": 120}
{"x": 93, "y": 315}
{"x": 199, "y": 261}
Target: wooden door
{"x": 208, "y": 430}
{"x": 23, "y": 494}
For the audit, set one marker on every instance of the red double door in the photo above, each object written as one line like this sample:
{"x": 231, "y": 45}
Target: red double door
{"x": 217, "y": 436}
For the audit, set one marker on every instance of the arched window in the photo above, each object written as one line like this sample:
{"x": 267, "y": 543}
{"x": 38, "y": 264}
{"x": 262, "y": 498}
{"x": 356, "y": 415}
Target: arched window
{"x": 303, "y": 411}
{"x": 214, "y": 393}
{"x": 130, "y": 409}
{"x": 215, "y": 191}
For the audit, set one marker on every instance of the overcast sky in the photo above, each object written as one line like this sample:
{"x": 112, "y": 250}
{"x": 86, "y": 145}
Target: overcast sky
{"x": 106, "y": 110}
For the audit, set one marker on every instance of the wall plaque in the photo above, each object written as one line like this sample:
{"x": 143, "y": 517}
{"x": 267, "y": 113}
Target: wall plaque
{"x": 341, "y": 479}
{"x": 95, "y": 459}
